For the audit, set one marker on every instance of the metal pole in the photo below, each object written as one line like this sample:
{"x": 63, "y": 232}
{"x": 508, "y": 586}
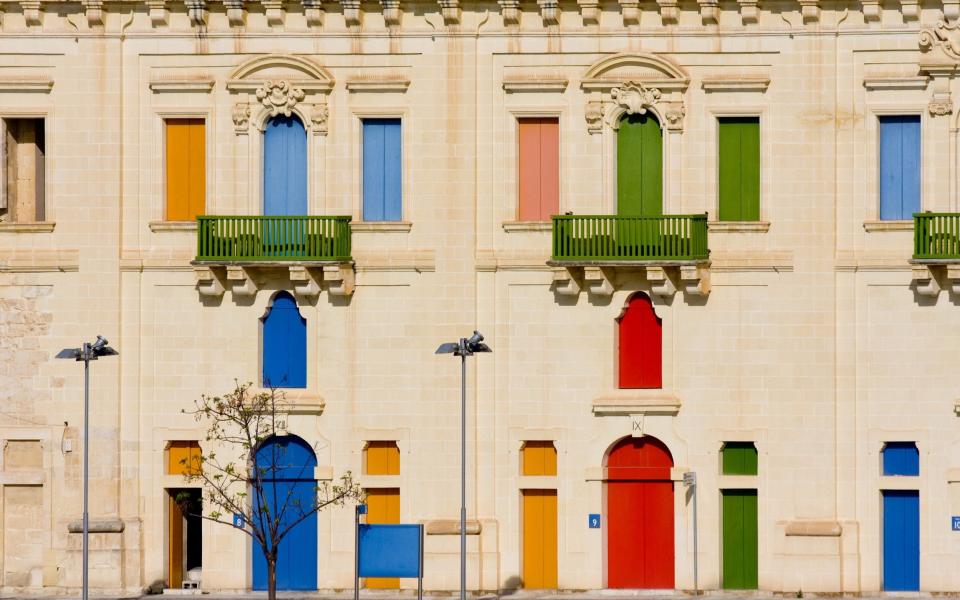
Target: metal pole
{"x": 463, "y": 469}
{"x": 86, "y": 465}
{"x": 696, "y": 587}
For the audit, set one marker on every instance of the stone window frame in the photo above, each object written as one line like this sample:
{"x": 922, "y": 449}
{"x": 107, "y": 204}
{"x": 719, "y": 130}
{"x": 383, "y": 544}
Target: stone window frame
{"x": 712, "y": 163}
{"x": 511, "y": 159}
{"x": 49, "y": 210}
{"x": 357, "y": 116}
{"x": 871, "y": 220}
{"x": 158, "y": 210}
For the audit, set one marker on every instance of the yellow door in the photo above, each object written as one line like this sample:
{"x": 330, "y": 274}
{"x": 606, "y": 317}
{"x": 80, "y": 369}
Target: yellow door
{"x": 383, "y": 508}
{"x": 540, "y": 539}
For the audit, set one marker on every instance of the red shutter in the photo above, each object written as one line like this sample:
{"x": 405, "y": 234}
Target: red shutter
{"x": 539, "y": 168}
{"x": 641, "y": 341}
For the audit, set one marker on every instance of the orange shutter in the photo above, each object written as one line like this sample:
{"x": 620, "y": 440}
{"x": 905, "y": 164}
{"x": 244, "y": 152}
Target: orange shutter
{"x": 539, "y": 458}
{"x": 539, "y": 168}
{"x": 383, "y": 508}
{"x": 182, "y": 457}
{"x": 540, "y": 539}
{"x": 383, "y": 458}
{"x": 186, "y": 169}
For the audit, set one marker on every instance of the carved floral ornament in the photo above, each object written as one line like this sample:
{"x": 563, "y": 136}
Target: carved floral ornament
{"x": 632, "y": 98}
{"x": 279, "y": 97}
{"x": 943, "y": 38}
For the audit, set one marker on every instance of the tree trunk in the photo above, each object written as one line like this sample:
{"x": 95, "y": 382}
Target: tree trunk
{"x": 272, "y": 578}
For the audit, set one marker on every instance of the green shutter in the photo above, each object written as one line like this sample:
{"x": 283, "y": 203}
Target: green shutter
{"x": 639, "y": 167}
{"x": 739, "y": 539}
{"x": 739, "y": 148}
{"x": 739, "y": 458}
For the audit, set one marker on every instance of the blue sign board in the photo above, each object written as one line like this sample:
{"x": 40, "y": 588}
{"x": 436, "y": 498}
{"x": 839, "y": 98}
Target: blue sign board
{"x": 594, "y": 521}
{"x": 955, "y": 523}
{"x": 238, "y": 520}
{"x": 389, "y": 550}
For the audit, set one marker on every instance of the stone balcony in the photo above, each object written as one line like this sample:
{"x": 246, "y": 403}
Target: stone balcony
{"x": 936, "y": 253}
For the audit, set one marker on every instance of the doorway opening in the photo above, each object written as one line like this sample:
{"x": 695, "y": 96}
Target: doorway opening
{"x": 184, "y": 538}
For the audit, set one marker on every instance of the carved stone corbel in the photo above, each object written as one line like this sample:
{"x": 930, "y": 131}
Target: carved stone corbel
{"x": 236, "y": 12}
{"x": 925, "y": 281}
{"x": 450, "y": 10}
{"x": 197, "y": 11}
{"x": 598, "y": 281}
{"x": 810, "y": 10}
{"x": 159, "y": 15}
{"x": 241, "y": 281}
{"x": 709, "y": 11}
{"x": 319, "y": 117}
{"x": 566, "y": 282}
{"x": 630, "y": 11}
{"x": 669, "y": 11}
{"x": 549, "y": 12}
{"x": 673, "y": 113}
{"x": 661, "y": 283}
{"x": 31, "y": 12}
{"x": 273, "y": 10}
{"x": 951, "y": 10}
{"x": 594, "y": 116}
{"x": 351, "y": 12}
{"x": 910, "y": 9}
{"x": 313, "y": 11}
{"x": 589, "y": 11}
{"x": 391, "y": 12}
{"x": 340, "y": 279}
{"x": 871, "y": 10}
{"x": 306, "y": 283}
{"x": 209, "y": 282}
{"x": 94, "y": 10}
{"x": 941, "y": 104}
{"x": 241, "y": 118}
{"x": 749, "y": 11}
{"x": 695, "y": 280}
{"x": 953, "y": 278}
{"x": 510, "y": 12}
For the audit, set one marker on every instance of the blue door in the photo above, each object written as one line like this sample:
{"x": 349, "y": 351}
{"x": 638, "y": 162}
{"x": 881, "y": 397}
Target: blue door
{"x": 901, "y": 540}
{"x": 284, "y": 353}
{"x": 899, "y": 166}
{"x": 285, "y": 167}
{"x": 287, "y": 468}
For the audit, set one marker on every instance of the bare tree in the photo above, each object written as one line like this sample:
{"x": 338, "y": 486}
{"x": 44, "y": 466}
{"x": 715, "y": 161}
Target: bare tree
{"x": 237, "y": 485}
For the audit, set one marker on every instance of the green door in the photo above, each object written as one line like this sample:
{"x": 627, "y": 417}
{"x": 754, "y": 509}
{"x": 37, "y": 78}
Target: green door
{"x": 639, "y": 167}
{"x": 739, "y": 539}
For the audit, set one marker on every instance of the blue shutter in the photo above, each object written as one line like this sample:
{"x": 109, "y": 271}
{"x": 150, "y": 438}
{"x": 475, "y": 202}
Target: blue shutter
{"x": 901, "y": 540}
{"x": 284, "y": 354}
{"x": 901, "y": 458}
{"x": 285, "y": 167}
{"x": 899, "y": 166}
{"x": 382, "y": 170}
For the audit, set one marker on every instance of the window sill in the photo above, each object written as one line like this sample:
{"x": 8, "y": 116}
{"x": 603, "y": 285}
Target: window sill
{"x": 35, "y": 227}
{"x": 401, "y": 226}
{"x": 637, "y": 402}
{"x": 157, "y": 226}
{"x": 513, "y": 226}
{"x": 872, "y": 226}
{"x": 296, "y": 401}
{"x": 738, "y": 226}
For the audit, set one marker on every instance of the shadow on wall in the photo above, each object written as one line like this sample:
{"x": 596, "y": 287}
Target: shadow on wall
{"x": 512, "y": 585}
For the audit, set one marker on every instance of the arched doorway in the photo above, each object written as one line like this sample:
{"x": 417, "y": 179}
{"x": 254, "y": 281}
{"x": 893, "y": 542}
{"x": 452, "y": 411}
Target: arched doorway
{"x": 639, "y": 514}
{"x": 285, "y": 166}
{"x": 639, "y": 166}
{"x": 287, "y": 465}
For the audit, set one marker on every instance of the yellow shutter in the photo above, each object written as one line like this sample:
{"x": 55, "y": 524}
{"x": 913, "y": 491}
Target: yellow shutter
{"x": 539, "y": 458}
{"x": 186, "y": 169}
{"x": 383, "y": 458}
{"x": 182, "y": 456}
{"x": 540, "y": 539}
{"x": 383, "y": 508}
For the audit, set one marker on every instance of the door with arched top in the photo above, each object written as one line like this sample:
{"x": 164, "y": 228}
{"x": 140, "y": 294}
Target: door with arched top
{"x": 639, "y": 166}
{"x": 287, "y": 466}
{"x": 285, "y": 166}
{"x": 639, "y": 514}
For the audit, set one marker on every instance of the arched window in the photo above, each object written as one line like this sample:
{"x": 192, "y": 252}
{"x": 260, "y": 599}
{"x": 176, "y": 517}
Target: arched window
{"x": 285, "y": 166}
{"x": 284, "y": 336}
{"x": 640, "y": 344}
{"x": 639, "y": 166}
{"x": 901, "y": 458}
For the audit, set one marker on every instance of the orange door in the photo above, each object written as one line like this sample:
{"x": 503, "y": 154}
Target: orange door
{"x": 383, "y": 508}
{"x": 540, "y": 539}
{"x": 640, "y": 515}
{"x": 174, "y": 542}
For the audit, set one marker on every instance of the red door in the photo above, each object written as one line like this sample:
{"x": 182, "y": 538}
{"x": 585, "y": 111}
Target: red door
{"x": 640, "y": 336}
{"x": 639, "y": 515}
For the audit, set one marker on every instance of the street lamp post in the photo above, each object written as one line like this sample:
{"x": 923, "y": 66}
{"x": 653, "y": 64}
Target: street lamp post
{"x": 463, "y": 348}
{"x": 86, "y": 353}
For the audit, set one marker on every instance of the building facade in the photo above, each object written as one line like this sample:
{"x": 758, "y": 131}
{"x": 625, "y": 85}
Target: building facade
{"x": 716, "y": 238}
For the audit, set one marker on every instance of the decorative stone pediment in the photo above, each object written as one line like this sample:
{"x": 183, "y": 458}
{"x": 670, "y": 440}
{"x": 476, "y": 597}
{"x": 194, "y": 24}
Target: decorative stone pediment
{"x": 943, "y": 40}
{"x": 634, "y": 84}
{"x": 941, "y": 62}
{"x": 275, "y": 84}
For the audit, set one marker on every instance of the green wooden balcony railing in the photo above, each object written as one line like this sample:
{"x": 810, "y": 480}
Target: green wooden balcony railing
{"x": 273, "y": 238}
{"x": 936, "y": 236}
{"x": 616, "y": 238}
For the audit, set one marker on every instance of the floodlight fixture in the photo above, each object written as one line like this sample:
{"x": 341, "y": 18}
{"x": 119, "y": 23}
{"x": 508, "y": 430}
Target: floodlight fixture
{"x": 463, "y": 348}
{"x": 86, "y": 353}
